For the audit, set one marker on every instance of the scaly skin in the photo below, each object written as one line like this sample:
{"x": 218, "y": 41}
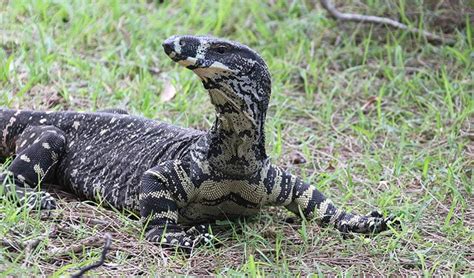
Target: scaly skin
{"x": 170, "y": 175}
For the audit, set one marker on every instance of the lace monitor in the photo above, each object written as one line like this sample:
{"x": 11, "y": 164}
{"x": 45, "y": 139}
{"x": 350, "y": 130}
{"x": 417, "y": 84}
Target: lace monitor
{"x": 171, "y": 176}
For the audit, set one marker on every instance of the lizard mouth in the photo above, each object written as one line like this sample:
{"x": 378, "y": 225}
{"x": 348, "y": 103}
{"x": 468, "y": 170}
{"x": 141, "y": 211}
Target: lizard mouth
{"x": 170, "y": 50}
{"x": 184, "y": 60}
{"x": 188, "y": 57}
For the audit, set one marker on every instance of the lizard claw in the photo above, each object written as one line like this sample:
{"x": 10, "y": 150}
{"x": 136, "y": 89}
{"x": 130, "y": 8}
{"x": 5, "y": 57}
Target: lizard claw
{"x": 374, "y": 213}
{"x": 372, "y": 223}
{"x": 393, "y": 221}
{"x": 175, "y": 237}
{"x": 201, "y": 234}
{"x": 376, "y": 223}
{"x": 41, "y": 200}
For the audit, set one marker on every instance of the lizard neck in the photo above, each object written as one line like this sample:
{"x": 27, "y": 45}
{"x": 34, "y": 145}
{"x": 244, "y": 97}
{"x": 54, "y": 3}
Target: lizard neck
{"x": 237, "y": 138}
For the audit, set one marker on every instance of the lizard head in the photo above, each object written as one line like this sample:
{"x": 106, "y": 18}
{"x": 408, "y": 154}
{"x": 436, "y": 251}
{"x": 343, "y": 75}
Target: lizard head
{"x": 239, "y": 86}
{"x": 227, "y": 66}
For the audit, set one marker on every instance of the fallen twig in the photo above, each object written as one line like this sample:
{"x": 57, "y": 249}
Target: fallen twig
{"x": 30, "y": 245}
{"x": 10, "y": 244}
{"x": 107, "y": 244}
{"x": 75, "y": 248}
{"x": 433, "y": 38}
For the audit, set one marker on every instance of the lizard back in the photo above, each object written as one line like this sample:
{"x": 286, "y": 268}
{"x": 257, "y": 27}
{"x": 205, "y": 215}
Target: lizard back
{"x": 106, "y": 154}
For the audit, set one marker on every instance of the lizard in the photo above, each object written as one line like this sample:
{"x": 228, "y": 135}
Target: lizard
{"x": 173, "y": 177}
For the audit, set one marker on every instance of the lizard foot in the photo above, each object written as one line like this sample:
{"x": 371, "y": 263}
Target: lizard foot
{"x": 169, "y": 236}
{"x": 201, "y": 234}
{"x": 25, "y": 195}
{"x": 173, "y": 236}
{"x": 39, "y": 199}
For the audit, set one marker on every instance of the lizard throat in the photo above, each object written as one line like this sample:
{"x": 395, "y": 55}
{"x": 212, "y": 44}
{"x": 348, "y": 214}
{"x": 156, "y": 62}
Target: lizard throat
{"x": 237, "y": 140}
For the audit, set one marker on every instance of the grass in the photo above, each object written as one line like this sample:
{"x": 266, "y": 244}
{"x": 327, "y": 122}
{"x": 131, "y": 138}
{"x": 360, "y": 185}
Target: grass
{"x": 383, "y": 119}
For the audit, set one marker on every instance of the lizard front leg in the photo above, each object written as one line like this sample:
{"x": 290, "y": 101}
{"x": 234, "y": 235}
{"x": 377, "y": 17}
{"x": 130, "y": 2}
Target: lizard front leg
{"x": 38, "y": 149}
{"x": 164, "y": 189}
{"x": 302, "y": 198}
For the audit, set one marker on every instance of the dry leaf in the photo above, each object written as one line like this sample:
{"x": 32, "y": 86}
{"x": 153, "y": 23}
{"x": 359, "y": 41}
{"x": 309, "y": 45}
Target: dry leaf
{"x": 369, "y": 104}
{"x": 45, "y": 97}
{"x": 331, "y": 167}
{"x": 297, "y": 158}
{"x": 168, "y": 93}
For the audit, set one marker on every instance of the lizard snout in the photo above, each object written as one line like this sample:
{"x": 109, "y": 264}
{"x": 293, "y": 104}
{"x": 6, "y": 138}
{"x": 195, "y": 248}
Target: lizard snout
{"x": 168, "y": 46}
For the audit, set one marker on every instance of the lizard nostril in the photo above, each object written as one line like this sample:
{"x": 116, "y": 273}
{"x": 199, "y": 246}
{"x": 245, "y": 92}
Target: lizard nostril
{"x": 168, "y": 46}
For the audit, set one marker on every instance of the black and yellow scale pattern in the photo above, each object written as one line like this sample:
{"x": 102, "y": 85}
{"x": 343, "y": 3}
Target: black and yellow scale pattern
{"x": 172, "y": 176}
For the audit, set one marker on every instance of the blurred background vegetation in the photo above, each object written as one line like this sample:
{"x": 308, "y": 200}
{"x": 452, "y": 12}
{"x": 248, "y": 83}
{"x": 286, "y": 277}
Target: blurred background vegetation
{"x": 382, "y": 118}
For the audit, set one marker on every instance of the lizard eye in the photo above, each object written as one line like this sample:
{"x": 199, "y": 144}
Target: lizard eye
{"x": 220, "y": 49}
